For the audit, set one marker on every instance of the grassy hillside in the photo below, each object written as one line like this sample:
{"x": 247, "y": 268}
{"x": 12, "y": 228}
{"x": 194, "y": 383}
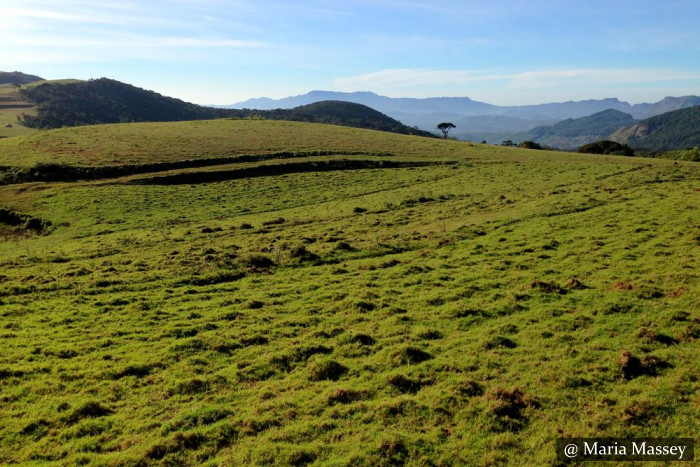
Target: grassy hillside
{"x": 346, "y": 114}
{"x": 572, "y": 133}
{"x": 675, "y": 130}
{"x": 171, "y": 142}
{"x": 13, "y": 105}
{"x": 448, "y": 304}
{"x": 105, "y": 101}
{"x": 100, "y": 101}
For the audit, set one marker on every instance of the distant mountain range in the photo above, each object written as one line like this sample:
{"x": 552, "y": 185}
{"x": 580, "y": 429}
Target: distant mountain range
{"x": 476, "y": 120}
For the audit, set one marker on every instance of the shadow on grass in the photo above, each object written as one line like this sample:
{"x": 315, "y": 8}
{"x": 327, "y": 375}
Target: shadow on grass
{"x": 277, "y": 169}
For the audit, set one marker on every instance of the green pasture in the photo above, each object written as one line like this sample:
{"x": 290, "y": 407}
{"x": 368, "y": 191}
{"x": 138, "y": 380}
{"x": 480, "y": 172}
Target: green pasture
{"x": 467, "y": 313}
{"x": 11, "y": 105}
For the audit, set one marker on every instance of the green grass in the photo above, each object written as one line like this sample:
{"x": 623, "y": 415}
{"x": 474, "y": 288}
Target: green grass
{"x": 11, "y": 105}
{"x": 143, "y": 143}
{"x": 464, "y": 314}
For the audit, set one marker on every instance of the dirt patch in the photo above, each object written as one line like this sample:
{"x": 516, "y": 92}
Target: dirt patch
{"x": 575, "y": 284}
{"x": 547, "y": 287}
{"x": 507, "y": 409}
{"x": 692, "y": 332}
{"x": 633, "y": 367}
{"x": 406, "y": 385}
{"x": 326, "y": 370}
{"x": 620, "y": 286}
{"x": 347, "y": 396}
{"x": 410, "y": 356}
{"x": 469, "y": 388}
{"x": 675, "y": 293}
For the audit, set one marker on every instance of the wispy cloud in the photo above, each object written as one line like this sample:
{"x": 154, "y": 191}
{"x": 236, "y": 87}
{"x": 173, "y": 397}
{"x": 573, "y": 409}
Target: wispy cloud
{"x": 409, "y": 78}
{"x": 36, "y": 15}
{"x": 14, "y": 14}
{"x": 527, "y": 87}
{"x": 601, "y": 77}
{"x": 122, "y": 42}
{"x": 35, "y": 32}
{"x": 514, "y": 51}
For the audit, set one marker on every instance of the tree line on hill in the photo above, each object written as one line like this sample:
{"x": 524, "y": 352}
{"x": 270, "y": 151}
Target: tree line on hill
{"x": 674, "y": 134}
{"x": 673, "y": 130}
{"x": 17, "y": 77}
{"x": 105, "y": 101}
{"x": 108, "y": 101}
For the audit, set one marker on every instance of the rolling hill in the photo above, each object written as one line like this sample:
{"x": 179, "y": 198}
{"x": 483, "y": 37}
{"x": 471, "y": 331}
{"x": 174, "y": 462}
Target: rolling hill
{"x": 345, "y": 114}
{"x": 73, "y": 103}
{"x": 104, "y": 100}
{"x": 17, "y": 77}
{"x": 12, "y": 107}
{"x": 673, "y": 130}
{"x": 572, "y": 133}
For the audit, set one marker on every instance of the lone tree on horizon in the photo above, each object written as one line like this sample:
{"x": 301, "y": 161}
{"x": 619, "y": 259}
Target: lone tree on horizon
{"x": 445, "y": 127}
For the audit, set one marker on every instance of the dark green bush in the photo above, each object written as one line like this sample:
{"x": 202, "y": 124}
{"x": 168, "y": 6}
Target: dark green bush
{"x": 529, "y": 145}
{"x": 607, "y": 147}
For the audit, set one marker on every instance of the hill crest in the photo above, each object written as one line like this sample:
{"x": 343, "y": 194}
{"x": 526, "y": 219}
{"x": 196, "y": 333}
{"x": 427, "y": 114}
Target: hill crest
{"x": 109, "y": 101}
{"x": 17, "y": 77}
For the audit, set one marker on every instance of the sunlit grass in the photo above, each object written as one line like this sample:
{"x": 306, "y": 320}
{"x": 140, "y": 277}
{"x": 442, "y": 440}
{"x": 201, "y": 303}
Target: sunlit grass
{"x": 446, "y": 315}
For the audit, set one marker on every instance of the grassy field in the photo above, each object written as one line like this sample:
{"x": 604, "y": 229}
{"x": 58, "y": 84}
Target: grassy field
{"x": 466, "y": 312}
{"x": 11, "y": 105}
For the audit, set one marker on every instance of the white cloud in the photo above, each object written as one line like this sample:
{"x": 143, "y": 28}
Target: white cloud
{"x": 407, "y": 78}
{"x": 14, "y": 14}
{"x": 36, "y": 32}
{"x": 598, "y": 77}
{"x": 577, "y": 83}
{"x": 38, "y": 16}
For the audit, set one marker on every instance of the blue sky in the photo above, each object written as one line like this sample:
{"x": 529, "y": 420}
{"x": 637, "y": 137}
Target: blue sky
{"x": 503, "y": 52}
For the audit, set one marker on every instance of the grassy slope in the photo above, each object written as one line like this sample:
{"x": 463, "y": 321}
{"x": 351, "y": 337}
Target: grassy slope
{"x": 572, "y": 133}
{"x": 666, "y": 132}
{"x": 167, "y": 142}
{"x": 10, "y": 106}
{"x": 144, "y": 327}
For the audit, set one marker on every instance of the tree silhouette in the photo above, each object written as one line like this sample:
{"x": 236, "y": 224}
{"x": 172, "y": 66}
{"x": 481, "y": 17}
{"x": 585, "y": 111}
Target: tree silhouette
{"x": 445, "y": 127}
